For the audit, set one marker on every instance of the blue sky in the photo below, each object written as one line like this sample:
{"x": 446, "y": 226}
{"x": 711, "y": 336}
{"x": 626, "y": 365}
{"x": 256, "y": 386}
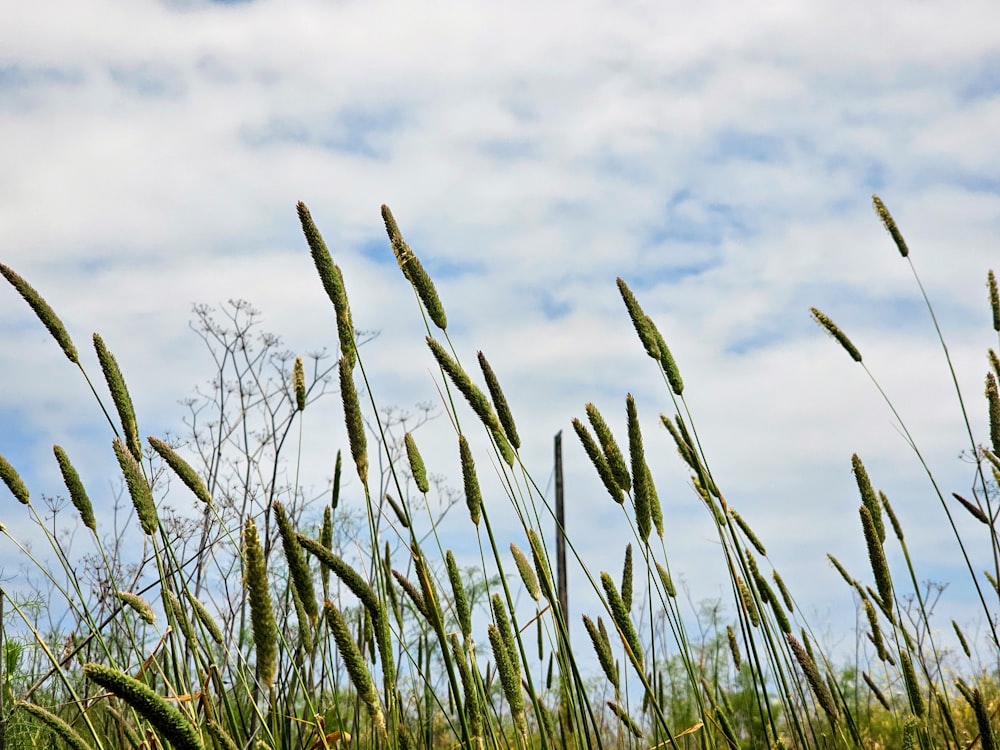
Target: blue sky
{"x": 720, "y": 158}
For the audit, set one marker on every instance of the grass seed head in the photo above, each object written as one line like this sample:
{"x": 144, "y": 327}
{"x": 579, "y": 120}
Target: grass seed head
{"x": 45, "y": 313}
{"x": 120, "y": 396}
{"x": 602, "y": 647}
{"x": 499, "y": 402}
{"x": 819, "y": 689}
{"x": 298, "y": 568}
{"x": 641, "y": 479}
{"x": 668, "y": 364}
{"x": 206, "y": 619}
{"x": 868, "y": 496}
{"x": 333, "y": 282}
{"x": 414, "y": 271}
{"x": 668, "y": 583}
{"x": 57, "y": 724}
{"x": 619, "y": 614}
{"x": 461, "y": 602}
{"x": 830, "y": 327}
{"x": 417, "y": 467}
{"x": 166, "y": 719}
{"x": 625, "y": 719}
{"x": 527, "y": 572}
{"x": 876, "y": 556}
{"x": 139, "y": 605}
{"x": 138, "y": 488}
{"x": 299, "y": 384}
{"x": 993, "y": 401}
{"x": 890, "y": 225}
{"x": 643, "y": 323}
{"x": 473, "y": 495}
{"x": 734, "y": 648}
{"x": 182, "y": 469}
{"x": 600, "y": 462}
{"x": 355, "y": 663}
{"x": 913, "y": 690}
{"x": 14, "y": 482}
{"x": 77, "y": 494}
{"x": 348, "y": 575}
{"x": 991, "y": 285}
{"x": 510, "y": 679}
{"x": 627, "y": 579}
{"x": 352, "y": 418}
{"x": 262, "y": 622}
{"x": 612, "y": 453}
{"x": 542, "y": 568}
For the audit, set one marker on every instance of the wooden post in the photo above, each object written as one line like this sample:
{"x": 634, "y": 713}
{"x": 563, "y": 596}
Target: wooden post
{"x": 560, "y": 532}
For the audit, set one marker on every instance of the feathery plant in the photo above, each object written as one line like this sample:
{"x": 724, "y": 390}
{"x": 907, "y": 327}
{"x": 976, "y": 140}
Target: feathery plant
{"x": 271, "y": 619}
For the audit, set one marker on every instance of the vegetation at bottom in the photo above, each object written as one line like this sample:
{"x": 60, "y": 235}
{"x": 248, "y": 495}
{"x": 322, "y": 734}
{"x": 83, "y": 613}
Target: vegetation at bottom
{"x": 274, "y": 618}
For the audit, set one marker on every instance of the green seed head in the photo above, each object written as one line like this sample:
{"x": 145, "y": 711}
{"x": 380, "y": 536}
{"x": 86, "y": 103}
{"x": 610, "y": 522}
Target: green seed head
{"x": 166, "y": 719}
{"x": 819, "y": 689}
{"x": 527, "y": 572}
{"x": 641, "y": 479}
{"x": 417, "y": 467}
{"x": 473, "y": 496}
{"x": 58, "y": 725}
{"x": 993, "y": 400}
{"x": 612, "y": 453}
{"x": 262, "y": 622}
{"x": 138, "y": 488}
{"x": 355, "y": 663}
{"x": 120, "y": 396}
{"x": 890, "y": 225}
{"x": 461, "y": 602}
{"x": 734, "y": 647}
{"x": 830, "y": 327}
{"x": 499, "y": 402}
{"x": 333, "y": 283}
{"x": 414, "y": 271}
{"x": 14, "y": 482}
{"x": 627, "y": 579}
{"x": 619, "y": 614}
{"x": 77, "y": 494}
{"x": 352, "y": 418}
{"x": 602, "y": 646}
{"x": 298, "y": 568}
{"x": 600, "y": 462}
{"x": 45, "y": 313}
{"x": 182, "y": 469}
{"x": 138, "y": 604}
{"x": 299, "y": 384}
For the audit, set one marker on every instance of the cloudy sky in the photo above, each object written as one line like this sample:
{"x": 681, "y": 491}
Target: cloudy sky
{"x": 719, "y": 156}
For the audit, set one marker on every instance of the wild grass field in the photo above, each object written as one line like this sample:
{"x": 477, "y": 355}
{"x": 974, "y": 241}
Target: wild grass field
{"x": 252, "y": 624}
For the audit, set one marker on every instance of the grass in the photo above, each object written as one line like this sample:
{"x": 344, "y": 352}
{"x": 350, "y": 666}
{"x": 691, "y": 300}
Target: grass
{"x": 251, "y": 626}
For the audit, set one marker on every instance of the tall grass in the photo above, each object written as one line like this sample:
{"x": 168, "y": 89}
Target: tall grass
{"x": 252, "y": 627}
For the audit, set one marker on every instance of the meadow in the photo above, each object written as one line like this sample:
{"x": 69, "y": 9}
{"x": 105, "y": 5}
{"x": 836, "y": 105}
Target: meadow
{"x": 254, "y": 623}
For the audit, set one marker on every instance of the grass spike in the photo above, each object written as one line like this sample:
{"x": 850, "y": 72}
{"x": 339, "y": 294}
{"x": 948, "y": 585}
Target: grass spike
{"x": 166, "y": 719}
{"x": 77, "y": 493}
{"x": 333, "y": 282}
{"x": 499, "y": 402}
{"x": 138, "y": 488}
{"x": 182, "y": 469}
{"x": 830, "y": 327}
{"x": 417, "y": 467}
{"x": 414, "y": 271}
{"x": 262, "y": 622}
{"x": 890, "y": 225}
{"x": 45, "y": 313}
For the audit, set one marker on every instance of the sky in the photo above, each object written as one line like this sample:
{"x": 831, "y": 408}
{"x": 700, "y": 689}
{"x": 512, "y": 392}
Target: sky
{"x": 720, "y": 157}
